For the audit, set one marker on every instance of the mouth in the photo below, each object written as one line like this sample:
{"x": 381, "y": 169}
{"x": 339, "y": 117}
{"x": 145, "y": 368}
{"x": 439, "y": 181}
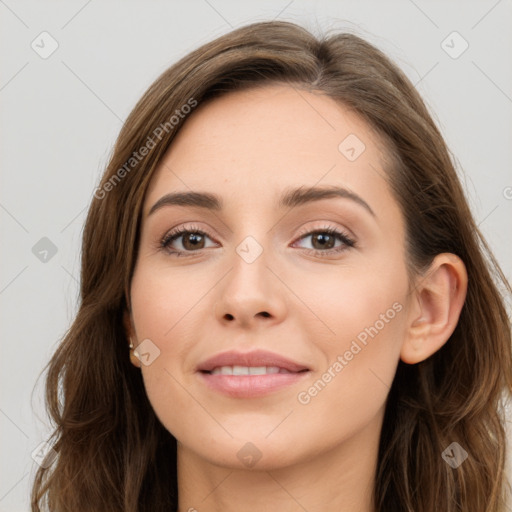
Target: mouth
{"x": 251, "y": 374}
{"x": 256, "y": 362}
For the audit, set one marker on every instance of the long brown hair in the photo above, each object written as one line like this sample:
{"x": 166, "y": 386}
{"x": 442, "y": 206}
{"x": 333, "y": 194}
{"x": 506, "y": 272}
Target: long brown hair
{"x": 115, "y": 455}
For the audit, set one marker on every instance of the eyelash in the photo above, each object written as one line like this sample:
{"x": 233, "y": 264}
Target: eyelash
{"x": 342, "y": 236}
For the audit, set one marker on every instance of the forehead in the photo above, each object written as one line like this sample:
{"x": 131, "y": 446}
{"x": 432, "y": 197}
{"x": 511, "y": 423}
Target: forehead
{"x": 264, "y": 140}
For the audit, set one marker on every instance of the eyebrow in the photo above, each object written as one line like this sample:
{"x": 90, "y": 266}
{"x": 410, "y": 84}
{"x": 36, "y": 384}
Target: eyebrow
{"x": 290, "y": 198}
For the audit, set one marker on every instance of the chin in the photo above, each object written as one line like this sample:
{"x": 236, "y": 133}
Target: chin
{"x": 242, "y": 453}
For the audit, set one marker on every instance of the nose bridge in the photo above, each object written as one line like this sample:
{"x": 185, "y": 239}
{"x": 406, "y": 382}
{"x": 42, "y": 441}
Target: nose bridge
{"x": 250, "y": 249}
{"x": 251, "y": 237}
{"x": 249, "y": 266}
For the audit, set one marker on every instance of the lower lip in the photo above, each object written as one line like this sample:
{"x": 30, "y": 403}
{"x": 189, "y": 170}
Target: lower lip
{"x": 247, "y": 386}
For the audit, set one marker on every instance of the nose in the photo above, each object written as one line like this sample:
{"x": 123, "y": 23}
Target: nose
{"x": 251, "y": 293}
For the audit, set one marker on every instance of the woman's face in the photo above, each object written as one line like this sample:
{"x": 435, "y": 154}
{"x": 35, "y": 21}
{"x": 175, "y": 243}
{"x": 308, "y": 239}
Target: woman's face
{"x": 318, "y": 279}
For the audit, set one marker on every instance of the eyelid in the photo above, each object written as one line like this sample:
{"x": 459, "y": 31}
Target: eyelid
{"x": 181, "y": 230}
{"x": 327, "y": 226}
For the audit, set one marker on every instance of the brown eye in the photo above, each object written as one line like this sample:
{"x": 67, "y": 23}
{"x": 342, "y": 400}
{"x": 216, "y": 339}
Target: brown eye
{"x": 324, "y": 240}
{"x": 182, "y": 241}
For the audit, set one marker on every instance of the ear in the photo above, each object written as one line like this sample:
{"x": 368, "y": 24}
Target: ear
{"x": 437, "y": 302}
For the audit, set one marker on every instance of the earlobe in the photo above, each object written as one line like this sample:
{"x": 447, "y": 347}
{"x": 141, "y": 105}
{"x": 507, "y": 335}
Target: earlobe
{"x": 438, "y": 300}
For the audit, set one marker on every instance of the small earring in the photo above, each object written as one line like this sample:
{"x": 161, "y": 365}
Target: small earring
{"x": 133, "y": 358}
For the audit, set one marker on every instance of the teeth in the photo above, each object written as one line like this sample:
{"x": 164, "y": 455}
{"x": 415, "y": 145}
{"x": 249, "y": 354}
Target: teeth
{"x": 257, "y": 370}
{"x": 247, "y": 370}
{"x": 240, "y": 370}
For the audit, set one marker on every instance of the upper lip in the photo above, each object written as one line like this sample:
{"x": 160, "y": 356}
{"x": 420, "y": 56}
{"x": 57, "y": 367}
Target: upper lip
{"x": 253, "y": 358}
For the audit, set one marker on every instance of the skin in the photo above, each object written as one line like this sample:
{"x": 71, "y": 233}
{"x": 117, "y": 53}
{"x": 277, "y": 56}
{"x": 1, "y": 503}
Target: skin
{"x": 248, "y": 147}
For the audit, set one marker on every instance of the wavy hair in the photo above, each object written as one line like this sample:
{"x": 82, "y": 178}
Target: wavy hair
{"x": 113, "y": 454}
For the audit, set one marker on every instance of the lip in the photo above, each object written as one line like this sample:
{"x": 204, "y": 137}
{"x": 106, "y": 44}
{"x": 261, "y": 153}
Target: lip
{"x": 253, "y": 358}
{"x": 250, "y": 386}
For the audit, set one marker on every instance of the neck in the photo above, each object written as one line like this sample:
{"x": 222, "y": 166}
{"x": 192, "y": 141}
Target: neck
{"x": 339, "y": 479}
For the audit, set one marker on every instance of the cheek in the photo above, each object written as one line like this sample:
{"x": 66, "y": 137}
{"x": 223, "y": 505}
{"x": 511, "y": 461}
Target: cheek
{"x": 360, "y": 302}
{"x": 363, "y": 323}
{"x": 165, "y": 306}
{"x": 161, "y": 300}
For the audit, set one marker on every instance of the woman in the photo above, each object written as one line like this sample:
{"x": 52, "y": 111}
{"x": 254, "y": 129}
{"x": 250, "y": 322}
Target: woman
{"x": 285, "y": 301}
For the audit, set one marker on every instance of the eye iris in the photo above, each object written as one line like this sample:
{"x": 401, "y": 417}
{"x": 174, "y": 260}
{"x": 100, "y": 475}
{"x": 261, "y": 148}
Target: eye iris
{"x": 326, "y": 240}
{"x": 194, "y": 239}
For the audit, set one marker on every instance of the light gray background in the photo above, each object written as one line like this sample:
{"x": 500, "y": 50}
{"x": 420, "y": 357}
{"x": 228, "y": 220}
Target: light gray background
{"x": 60, "y": 117}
